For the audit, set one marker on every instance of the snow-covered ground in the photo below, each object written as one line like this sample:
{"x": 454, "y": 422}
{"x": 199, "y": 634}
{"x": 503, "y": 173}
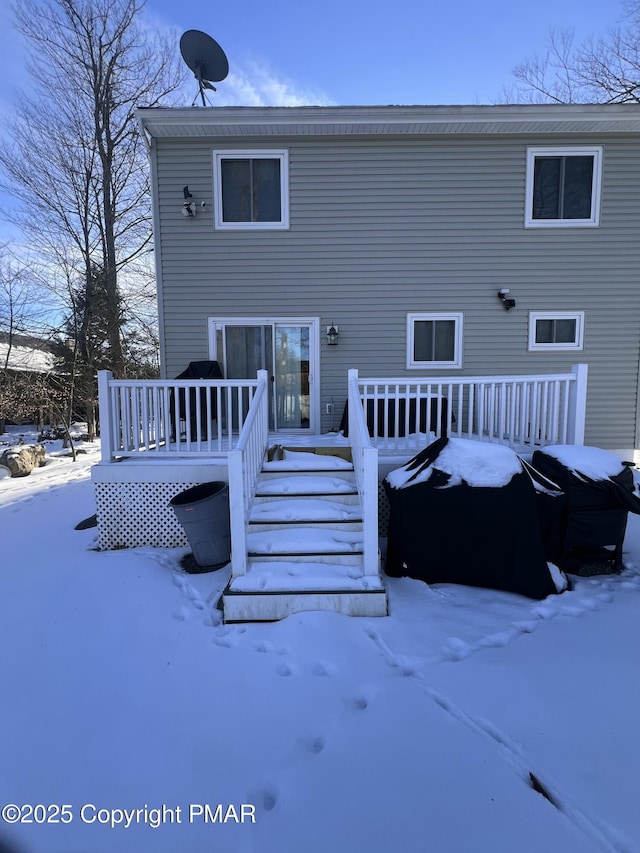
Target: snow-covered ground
{"x": 121, "y": 690}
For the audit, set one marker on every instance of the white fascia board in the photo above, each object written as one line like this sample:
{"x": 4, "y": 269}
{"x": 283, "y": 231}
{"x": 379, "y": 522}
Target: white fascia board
{"x": 270, "y": 121}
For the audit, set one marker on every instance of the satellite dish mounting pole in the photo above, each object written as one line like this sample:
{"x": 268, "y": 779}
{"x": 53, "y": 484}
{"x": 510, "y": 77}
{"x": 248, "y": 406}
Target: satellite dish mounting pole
{"x": 202, "y": 85}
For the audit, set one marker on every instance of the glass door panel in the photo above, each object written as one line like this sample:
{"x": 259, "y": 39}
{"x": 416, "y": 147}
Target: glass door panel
{"x": 247, "y": 349}
{"x": 291, "y": 377}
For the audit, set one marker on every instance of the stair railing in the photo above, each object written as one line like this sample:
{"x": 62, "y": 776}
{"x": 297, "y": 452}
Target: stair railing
{"x": 245, "y": 464}
{"x": 365, "y": 464}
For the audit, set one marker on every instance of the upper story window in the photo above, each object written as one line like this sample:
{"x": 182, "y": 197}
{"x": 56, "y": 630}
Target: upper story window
{"x": 563, "y": 186}
{"x": 434, "y": 340}
{"x": 251, "y": 189}
{"x": 556, "y": 330}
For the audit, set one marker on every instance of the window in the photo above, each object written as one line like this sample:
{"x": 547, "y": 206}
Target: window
{"x": 556, "y": 330}
{"x": 434, "y": 340}
{"x": 563, "y": 186}
{"x": 251, "y": 189}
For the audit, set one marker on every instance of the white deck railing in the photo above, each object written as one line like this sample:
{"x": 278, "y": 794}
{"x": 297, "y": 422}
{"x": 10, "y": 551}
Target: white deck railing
{"x": 365, "y": 464}
{"x": 524, "y": 412}
{"x": 245, "y": 464}
{"x": 171, "y": 418}
{"x": 177, "y": 418}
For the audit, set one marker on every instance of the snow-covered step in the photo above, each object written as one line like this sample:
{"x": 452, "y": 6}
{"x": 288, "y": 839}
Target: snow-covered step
{"x": 278, "y": 575}
{"x": 303, "y": 543}
{"x": 348, "y": 498}
{"x": 304, "y": 511}
{"x": 307, "y": 484}
{"x": 275, "y": 589}
{"x": 309, "y": 462}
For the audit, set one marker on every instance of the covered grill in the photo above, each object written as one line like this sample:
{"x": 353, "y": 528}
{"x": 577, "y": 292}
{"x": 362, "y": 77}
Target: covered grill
{"x": 465, "y": 511}
{"x": 195, "y": 370}
{"x": 584, "y": 522}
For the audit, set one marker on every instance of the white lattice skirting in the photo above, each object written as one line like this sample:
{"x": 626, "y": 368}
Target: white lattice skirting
{"x": 132, "y": 503}
{"x": 132, "y": 515}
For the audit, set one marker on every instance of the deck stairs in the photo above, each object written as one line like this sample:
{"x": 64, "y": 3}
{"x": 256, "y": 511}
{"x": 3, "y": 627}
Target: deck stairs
{"x": 305, "y": 542}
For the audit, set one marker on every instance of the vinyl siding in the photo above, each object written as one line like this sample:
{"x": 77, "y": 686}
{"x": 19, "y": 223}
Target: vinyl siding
{"x": 385, "y": 226}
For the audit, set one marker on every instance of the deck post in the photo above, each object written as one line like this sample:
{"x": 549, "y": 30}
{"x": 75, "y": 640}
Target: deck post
{"x": 237, "y": 514}
{"x": 352, "y": 376}
{"x": 370, "y": 510}
{"x": 578, "y": 403}
{"x": 104, "y": 401}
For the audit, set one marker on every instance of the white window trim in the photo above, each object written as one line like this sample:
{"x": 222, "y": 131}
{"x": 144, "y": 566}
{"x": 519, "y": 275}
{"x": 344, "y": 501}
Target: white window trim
{"x": 565, "y": 151}
{"x": 534, "y": 316}
{"x": 412, "y": 364}
{"x": 251, "y": 154}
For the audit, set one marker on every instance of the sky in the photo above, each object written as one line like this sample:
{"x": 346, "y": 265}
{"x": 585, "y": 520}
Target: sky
{"x": 337, "y": 52}
{"x": 406, "y": 52}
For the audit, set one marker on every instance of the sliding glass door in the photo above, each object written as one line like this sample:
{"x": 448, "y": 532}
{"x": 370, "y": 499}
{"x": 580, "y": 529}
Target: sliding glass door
{"x": 286, "y": 349}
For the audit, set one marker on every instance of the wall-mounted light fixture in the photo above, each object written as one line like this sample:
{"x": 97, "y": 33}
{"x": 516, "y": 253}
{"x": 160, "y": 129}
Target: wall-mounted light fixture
{"x": 189, "y": 206}
{"x": 332, "y": 335}
{"x": 503, "y": 296}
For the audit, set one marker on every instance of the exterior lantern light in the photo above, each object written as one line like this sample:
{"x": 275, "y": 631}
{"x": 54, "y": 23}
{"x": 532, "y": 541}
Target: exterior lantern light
{"x": 507, "y": 302}
{"x": 332, "y": 335}
{"x": 189, "y": 206}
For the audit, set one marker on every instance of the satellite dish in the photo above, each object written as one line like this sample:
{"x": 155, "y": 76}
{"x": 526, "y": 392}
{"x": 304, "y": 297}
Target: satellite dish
{"x": 204, "y": 56}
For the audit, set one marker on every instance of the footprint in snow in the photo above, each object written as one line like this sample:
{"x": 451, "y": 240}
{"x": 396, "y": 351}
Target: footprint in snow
{"x": 526, "y": 626}
{"x": 264, "y": 797}
{"x": 321, "y": 669}
{"x": 571, "y": 610}
{"x": 285, "y": 669}
{"x": 456, "y": 649}
{"x": 357, "y": 703}
{"x": 544, "y": 611}
{"x": 191, "y": 593}
{"x": 213, "y": 619}
{"x": 403, "y": 665}
{"x": 181, "y": 614}
{"x": 228, "y": 635}
{"x": 498, "y": 640}
{"x": 312, "y": 745}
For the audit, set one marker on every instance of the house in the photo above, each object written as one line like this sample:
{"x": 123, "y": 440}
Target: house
{"x": 22, "y": 357}
{"x": 467, "y": 264}
{"x": 25, "y": 354}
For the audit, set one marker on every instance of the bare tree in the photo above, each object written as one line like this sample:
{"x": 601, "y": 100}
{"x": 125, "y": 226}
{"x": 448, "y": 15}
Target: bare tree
{"x": 603, "y": 70}
{"x": 75, "y": 160}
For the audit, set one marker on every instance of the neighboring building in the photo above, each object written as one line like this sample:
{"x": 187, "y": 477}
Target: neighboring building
{"x": 22, "y": 357}
{"x": 25, "y": 354}
{"x": 399, "y": 225}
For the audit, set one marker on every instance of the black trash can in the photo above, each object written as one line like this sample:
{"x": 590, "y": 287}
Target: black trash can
{"x": 203, "y": 512}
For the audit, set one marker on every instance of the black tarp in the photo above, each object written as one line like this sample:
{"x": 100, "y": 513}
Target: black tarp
{"x": 382, "y": 425}
{"x": 590, "y": 517}
{"x": 479, "y": 536}
{"x": 196, "y": 370}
